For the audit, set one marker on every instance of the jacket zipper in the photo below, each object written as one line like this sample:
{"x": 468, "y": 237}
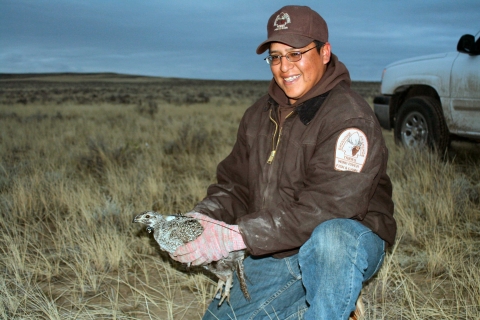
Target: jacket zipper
{"x": 272, "y": 154}
{"x": 275, "y": 145}
{"x": 274, "y": 149}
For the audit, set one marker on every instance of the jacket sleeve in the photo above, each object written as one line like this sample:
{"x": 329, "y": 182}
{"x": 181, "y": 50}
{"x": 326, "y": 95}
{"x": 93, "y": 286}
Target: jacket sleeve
{"x": 324, "y": 194}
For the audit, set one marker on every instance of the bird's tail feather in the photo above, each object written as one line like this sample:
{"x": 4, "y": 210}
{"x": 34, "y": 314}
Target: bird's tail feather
{"x": 241, "y": 278}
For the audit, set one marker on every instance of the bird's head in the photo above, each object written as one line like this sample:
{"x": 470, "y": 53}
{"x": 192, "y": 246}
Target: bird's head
{"x": 149, "y": 218}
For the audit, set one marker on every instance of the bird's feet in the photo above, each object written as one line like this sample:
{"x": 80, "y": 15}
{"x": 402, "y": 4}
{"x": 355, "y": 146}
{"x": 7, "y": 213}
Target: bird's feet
{"x": 224, "y": 294}
{"x": 218, "y": 292}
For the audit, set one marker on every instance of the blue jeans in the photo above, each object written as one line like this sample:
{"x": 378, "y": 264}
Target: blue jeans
{"x": 322, "y": 281}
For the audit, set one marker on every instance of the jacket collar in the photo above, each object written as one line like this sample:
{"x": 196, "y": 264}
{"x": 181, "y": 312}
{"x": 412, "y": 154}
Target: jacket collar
{"x": 306, "y": 110}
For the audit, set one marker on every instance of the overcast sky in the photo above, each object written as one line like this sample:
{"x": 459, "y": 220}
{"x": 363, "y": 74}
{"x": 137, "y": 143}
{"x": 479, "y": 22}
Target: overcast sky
{"x": 216, "y": 39}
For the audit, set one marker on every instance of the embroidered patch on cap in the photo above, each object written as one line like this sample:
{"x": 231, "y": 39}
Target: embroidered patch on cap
{"x": 351, "y": 150}
{"x": 281, "y": 21}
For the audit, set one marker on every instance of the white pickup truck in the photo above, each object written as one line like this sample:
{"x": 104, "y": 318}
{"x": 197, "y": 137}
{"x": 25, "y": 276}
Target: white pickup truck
{"x": 430, "y": 100}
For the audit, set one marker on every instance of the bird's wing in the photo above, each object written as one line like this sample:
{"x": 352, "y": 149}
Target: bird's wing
{"x": 187, "y": 228}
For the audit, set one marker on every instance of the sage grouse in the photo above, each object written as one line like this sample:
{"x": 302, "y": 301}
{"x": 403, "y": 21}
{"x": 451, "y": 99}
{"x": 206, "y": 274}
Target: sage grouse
{"x": 175, "y": 230}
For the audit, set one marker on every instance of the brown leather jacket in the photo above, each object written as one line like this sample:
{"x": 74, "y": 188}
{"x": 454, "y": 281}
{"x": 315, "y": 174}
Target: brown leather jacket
{"x": 278, "y": 200}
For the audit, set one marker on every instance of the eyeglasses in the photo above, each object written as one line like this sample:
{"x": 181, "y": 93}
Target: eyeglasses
{"x": 293, "y": 56}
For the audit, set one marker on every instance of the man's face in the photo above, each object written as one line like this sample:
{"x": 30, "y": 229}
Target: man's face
{"x": 297, "y": 78}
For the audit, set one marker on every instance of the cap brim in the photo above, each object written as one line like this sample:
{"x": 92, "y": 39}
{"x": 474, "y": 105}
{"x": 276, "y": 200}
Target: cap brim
{"x": 292, "y": 40}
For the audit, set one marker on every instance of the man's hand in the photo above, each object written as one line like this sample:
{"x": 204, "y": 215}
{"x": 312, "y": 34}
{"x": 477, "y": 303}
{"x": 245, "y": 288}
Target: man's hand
{"x": 215, "y": 243}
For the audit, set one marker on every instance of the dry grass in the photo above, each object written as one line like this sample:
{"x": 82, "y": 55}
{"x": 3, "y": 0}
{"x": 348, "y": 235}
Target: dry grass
{"x": 72, "y": 176}
{"x": 433, "y": 271}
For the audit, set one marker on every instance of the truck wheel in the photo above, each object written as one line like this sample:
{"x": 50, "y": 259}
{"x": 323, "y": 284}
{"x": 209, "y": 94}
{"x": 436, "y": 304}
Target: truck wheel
{"x": 420, "y": 124}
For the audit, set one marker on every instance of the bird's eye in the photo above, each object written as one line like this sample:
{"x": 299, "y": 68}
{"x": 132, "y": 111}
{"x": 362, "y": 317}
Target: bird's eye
{"x": 147, "y": 216}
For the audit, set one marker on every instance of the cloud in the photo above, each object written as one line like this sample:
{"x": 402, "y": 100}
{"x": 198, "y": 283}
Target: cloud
{"x": 215, "y": 39}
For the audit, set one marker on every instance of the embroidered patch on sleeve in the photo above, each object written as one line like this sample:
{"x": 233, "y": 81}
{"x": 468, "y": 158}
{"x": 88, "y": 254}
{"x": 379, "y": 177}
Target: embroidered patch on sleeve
{"x": 351, "y": 150}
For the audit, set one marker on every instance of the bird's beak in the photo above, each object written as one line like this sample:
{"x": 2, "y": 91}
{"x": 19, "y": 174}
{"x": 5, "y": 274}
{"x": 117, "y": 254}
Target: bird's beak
{"x": 135, "y": 219}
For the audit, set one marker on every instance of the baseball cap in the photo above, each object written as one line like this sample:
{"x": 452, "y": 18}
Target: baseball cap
{"x": 295, "y": 26}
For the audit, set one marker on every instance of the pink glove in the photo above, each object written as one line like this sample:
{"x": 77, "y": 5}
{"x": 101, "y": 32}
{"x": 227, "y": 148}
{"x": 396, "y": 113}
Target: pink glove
{"x": 215, "y": 243}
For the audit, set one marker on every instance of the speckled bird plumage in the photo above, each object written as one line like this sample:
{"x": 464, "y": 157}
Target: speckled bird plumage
{"x": 172, "y": 231}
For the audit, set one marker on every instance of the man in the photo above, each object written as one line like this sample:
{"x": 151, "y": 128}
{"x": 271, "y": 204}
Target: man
{"x": 304, "y": 190}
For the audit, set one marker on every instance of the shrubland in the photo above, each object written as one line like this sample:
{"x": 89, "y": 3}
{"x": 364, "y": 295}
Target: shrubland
{"x": 77, "y": 165}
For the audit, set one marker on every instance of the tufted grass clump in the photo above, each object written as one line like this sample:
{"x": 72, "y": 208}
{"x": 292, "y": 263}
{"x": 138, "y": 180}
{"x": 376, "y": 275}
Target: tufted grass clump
{"x": 101, "y": 157}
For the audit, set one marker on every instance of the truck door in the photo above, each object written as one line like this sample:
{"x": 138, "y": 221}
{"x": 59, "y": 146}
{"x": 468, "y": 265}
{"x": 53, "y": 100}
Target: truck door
{"x": 465, "y": 94}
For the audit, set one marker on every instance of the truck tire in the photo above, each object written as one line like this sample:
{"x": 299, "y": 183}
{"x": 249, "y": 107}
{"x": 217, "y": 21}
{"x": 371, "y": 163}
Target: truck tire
{"x": 420, "y": 125}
